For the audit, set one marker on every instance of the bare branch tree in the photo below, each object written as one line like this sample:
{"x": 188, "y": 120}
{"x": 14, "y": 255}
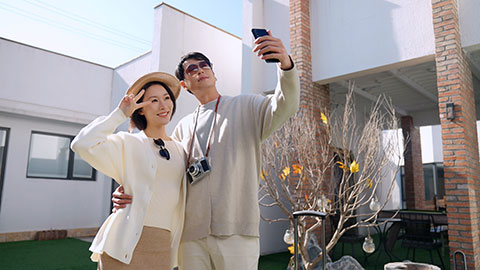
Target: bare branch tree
{"x": 334, "y": 165}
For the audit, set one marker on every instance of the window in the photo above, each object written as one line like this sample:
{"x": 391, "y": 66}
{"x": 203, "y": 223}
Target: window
{"x": 50, "y": 157}
{"x": 3, "y": 155}
{"x": 434, "y": 182}
{"x": 429, "y": 173}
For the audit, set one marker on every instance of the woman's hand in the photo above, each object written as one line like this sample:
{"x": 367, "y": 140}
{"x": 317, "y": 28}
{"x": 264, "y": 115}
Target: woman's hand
{"x": 129, "y": 104}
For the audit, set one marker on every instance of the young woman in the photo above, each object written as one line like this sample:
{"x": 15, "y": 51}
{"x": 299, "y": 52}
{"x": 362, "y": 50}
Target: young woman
{"x": 150, "y": 166}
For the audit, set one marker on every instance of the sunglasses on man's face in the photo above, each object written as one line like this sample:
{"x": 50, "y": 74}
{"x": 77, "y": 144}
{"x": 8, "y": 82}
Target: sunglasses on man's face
{"x": 163, "y": 150}
{"x": 193, "y": 69}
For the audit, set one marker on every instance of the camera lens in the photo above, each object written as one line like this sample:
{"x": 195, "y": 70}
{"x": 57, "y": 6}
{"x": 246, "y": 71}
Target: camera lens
{"x": 193, "y": 170}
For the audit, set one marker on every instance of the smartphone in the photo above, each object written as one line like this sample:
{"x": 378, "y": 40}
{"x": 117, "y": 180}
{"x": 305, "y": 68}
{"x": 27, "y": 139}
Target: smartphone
{"x": 259, "y": 32}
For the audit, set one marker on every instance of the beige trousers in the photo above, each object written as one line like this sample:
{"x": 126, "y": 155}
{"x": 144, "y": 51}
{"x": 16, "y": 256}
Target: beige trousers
{"x": 234, "y": 252}
{"x": 153, "y": 251}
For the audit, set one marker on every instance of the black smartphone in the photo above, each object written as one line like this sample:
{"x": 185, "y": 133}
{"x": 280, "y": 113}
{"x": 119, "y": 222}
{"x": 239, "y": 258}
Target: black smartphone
{"x": 259, "y": 32}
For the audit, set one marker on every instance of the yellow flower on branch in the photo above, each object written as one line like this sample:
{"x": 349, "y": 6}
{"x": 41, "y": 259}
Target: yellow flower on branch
{"x": 324, "y": 118}
{"x": 263, "y": 174}
{"x": 291, "y": 249}
{"x": 369, "y": 183}
{"x": 342, "y": 166}
{"x": 286, "y": 171}
{"x": 354, "y": 167}
{"x": 297, "y": 168}
{"x": 282, "y": 176}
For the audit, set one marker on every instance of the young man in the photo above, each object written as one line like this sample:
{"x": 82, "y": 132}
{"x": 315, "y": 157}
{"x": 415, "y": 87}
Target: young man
{"x": 222, "y": 213}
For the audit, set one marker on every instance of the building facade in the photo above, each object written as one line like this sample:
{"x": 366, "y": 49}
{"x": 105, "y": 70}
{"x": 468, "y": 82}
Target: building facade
{"x": 424, "y": 55}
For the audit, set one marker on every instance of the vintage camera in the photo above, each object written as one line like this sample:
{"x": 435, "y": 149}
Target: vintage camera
{"x": 198, "y": 169}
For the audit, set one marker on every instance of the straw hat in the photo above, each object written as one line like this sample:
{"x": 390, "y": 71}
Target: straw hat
{"x": 166, "y": 78}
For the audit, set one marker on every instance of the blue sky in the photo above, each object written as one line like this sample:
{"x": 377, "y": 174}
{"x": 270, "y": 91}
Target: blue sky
{"x": 107, "y": 32}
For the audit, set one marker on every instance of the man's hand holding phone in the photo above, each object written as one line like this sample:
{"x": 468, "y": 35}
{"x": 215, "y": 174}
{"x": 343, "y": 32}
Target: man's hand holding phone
{"x": 270, "y": 48}
{"x": 120, "y": 199}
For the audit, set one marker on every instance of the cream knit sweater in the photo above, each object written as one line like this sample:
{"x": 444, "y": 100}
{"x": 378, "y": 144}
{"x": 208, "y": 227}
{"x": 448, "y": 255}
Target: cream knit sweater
{"x": 225, "y": 202}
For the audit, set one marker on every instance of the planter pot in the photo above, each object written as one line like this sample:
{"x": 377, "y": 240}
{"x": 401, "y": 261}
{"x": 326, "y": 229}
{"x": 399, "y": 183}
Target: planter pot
{"x": 410, "y": 266}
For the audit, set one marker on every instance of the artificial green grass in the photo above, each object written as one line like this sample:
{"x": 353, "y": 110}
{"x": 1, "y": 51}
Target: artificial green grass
{"x": 274, "y": 261}
{"x": 71, "y": 254}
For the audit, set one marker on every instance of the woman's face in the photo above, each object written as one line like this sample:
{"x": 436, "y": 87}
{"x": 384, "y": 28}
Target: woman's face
{"x": 159, "y": 111}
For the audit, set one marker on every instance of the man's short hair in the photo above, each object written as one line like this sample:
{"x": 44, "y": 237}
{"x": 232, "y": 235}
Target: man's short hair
{"x": 180, "y": 72}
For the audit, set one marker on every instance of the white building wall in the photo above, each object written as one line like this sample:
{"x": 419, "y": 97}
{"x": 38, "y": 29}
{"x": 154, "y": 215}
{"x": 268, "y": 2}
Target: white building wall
{"x": 273, "y": 15}
{"x": 390, "y": 176}
{"x": 124, "y": 76}
{"x": 47, "y": 92}
{"x": 353, "y": 36}
{"x": 39, "y": 83}
{"x": 33, "y": 204}
{"x": 431, "y": 140}
{"x": 176, "y": 34}
{"x": 469, "y": 22}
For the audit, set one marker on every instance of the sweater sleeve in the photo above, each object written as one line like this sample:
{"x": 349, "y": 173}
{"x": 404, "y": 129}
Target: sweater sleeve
{"x": 272, "y": 111}
{"x": 103, "y": 150}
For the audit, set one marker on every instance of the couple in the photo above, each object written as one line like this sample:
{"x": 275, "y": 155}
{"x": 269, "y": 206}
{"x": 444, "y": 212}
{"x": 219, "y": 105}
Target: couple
{"x": 216, "y": 218}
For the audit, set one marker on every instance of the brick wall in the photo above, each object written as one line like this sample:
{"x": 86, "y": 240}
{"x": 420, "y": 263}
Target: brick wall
{"x": 414, "y": 179}
{"x": 314, "y": 98}
{"x": 459, "y": 136}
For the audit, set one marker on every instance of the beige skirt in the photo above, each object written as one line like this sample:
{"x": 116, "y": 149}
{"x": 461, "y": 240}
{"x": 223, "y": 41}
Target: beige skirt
{"x": 153, "y": 251}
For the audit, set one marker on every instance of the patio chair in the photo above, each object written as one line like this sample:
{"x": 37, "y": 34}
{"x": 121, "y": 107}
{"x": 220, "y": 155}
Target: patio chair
{"x": 391, "y": 238}
{"x": 351, "y": 237}
{"x": 418, "y": 234}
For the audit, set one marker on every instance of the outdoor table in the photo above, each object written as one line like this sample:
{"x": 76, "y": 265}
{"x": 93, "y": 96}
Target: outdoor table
{"x": 381, "y": 226}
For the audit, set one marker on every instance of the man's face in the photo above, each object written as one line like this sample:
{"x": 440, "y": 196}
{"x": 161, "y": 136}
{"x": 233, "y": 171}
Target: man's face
{"x": 198, "y": 75}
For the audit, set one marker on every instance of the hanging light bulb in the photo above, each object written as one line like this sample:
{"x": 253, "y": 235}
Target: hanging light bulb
{"x": 322, "y": 203}
{"x": 368, "y": 245}
{"x": 319, "y": 202}
{"x": 288, "y": 237}
{"x": 374, "y": 205}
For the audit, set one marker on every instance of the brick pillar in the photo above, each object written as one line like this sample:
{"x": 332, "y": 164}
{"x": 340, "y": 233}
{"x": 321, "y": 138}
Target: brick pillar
{"x": 414, "y": 180}
{"x": 459, "y": 136}
{"x": 312, "y": 95}
{"x": 314, "y": 98}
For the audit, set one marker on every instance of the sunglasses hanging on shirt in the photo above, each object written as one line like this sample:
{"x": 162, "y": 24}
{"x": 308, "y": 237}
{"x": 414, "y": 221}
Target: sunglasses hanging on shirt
{"x": 163, "y": 150}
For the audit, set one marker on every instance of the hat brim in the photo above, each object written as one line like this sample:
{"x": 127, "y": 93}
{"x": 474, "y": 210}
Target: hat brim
{"x": 169, "y": 80}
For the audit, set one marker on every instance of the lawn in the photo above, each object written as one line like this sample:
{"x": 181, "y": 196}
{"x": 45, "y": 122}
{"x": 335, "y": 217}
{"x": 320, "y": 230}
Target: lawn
{"x": 62, "y": 254}
{"x": 73, "y": 254}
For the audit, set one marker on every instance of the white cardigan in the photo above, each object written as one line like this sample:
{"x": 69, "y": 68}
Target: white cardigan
{"x": 130, "y": 161}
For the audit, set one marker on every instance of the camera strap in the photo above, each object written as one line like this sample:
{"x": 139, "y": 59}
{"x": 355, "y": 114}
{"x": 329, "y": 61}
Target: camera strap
{"x": 211, "y": 130}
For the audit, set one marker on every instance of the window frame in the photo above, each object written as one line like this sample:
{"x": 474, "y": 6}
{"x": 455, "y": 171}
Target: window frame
{"x": 4, "y": 161}
{"x": 435, "y": 182}
{"x": 71, "y": 159}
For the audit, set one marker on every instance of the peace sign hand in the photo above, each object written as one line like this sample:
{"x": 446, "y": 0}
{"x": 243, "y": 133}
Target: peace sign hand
{"x": 129, "y": 104}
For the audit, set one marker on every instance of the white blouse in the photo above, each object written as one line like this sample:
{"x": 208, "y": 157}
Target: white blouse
{"x": 166, "y": 188}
